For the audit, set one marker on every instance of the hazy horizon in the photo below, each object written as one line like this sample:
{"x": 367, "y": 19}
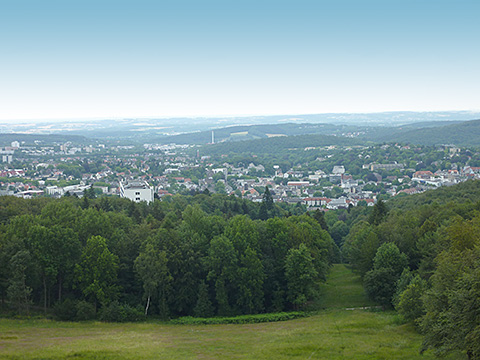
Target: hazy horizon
{"x": 160, "y": 59}
{"x": 241, "y": 116}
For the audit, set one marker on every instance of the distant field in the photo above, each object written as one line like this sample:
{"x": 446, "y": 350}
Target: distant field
{"x": 240, "y": 133}
{"x": 275, "y": 135}
{"x": 334, "y": 333}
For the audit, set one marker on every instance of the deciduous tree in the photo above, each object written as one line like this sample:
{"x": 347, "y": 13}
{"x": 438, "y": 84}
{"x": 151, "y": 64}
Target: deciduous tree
{"x": 96, "y": 273}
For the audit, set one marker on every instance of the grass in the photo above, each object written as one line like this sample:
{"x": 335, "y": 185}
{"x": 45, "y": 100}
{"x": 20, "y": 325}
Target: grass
{"x": 343, "y": 289}
{"x": 334, "y": 333}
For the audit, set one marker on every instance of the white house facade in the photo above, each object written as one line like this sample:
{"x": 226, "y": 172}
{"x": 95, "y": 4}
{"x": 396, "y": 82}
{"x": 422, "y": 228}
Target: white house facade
{"x": 137, "y": 191}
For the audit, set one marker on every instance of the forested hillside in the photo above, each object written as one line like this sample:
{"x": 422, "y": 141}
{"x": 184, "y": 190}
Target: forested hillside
{"x": 421, "y": 255}
{"x": 465, "y": 133}
{"x": 251, "y": 132}
{"x": 113, "y": 259}
{"x": 277, "y": 145}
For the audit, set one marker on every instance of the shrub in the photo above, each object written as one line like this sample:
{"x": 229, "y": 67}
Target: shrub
{"x": 116, "y": 312}
{"x": 65, "y": 310}
{"x": 85, "y": 311}
{"x": 243, "y": 319}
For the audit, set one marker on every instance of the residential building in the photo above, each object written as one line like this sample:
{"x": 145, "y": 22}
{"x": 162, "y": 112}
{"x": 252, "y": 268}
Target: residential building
{"x": 137, "y": 191}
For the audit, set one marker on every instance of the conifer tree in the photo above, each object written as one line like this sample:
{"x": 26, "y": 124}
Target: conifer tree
{"x": 268, "y": 199}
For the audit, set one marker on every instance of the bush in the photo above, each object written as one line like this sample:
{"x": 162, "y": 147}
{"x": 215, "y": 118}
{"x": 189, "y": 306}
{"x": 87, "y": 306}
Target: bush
{"x": 66, "y": 310}
{"x": 244, "y": 319}
{"x": 116, "y": 312}
{"x": 85, "y": 311}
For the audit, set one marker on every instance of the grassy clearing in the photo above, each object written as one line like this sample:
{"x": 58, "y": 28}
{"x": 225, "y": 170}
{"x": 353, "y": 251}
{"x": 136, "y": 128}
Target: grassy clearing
{"x": 343, "y": 289}
{"x": 332, "y": 334}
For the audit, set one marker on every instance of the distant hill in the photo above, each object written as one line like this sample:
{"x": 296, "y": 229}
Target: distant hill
{"x": 46, "y": 140}
{"x": 277, "y": 145}
{"x": 252, "y": 132}
{"x": 465, "y": 133}
{"x": 427, "y": 132}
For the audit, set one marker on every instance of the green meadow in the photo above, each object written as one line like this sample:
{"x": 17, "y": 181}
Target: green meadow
{"x": 332, "y": 333}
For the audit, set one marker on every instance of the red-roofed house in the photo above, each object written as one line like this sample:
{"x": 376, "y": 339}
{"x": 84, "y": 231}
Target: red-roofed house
{"x": 424, "y": 175}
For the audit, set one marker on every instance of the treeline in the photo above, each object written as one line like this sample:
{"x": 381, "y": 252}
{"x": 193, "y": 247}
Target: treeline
{"x": 202, "y": 255}
{"x": 421, "y": 255}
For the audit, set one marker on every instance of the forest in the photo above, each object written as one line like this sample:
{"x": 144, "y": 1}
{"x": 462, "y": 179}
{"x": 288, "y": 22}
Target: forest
{"x": 202, "y": 255}
{"x": 215, "y": 255}
{"x": 421, "y": 255}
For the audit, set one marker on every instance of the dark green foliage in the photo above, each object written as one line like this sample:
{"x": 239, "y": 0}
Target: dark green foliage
{"x": 221, "y": 295}
{"x": 115, "y": 253}
{"x": 410, "y": 301}
{"x": 65, "y": 310}
{"x": 388, "y": 256}
{"x": 96, "y": 273}
{"x": 300, "y": 274}
{"x": 263, "y": 211}
{"x": 466, "y": 192}
{"x": 452, "y": 304}
{"x": 380, "y": 285}
{"x": 204, "y": 307}
{"x": 243, "y": 319}
{"x": 249, "y": 278}
{"x": 320, "y": 217}
{"x": 338, "y": 232}
{"x": 85, "y": 311}
{"x": 402, "y": 283}
{"x": 18, "y": 293}
{"x": 439, "y": 233}
{"x": 379, "y": 212}
{"x": 380, "y": 282}
{"x": 116, "y": 312}
{"x": 90, "y": 193}
{"x": 360, "y": 247}
{"x": 151, "y": 267}
{"x": 268, "y": 199}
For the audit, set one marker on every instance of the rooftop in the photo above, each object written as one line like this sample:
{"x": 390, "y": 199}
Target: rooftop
{"x": 136, "y": 185}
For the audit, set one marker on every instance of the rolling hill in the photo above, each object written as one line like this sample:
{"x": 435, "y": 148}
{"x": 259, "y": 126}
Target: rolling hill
{"x": 465, "y": 133}
{"x": 44, "y": 140}
{"x": 275, "y": 145}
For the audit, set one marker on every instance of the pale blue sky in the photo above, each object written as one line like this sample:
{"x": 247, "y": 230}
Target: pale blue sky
{"x": 97, "y": 59}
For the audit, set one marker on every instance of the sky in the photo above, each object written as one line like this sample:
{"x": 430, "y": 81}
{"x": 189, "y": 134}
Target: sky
{"x": 73, "y": 59}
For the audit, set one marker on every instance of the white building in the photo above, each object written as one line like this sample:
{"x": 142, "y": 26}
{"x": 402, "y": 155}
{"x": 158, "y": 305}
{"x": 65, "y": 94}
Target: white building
{"x": 338, "y": 170}
{"x": 340, "y": 203}
{"x": 7, "y": 159}
{"x": 137, "y": 191}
